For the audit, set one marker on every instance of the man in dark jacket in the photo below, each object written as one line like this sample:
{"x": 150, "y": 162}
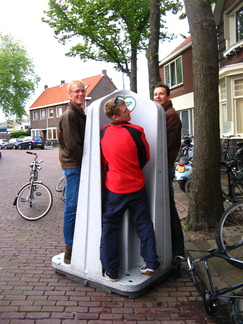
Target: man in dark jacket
{"x": 173, "y": 127}
{"x": 71, "y": 140}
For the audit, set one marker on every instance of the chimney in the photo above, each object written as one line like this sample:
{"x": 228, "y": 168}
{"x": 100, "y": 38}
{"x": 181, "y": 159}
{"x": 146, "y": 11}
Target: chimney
{"x": 62, "y": 82}
{"x": 45, "y": 86}
{"x": 104, "y": 72}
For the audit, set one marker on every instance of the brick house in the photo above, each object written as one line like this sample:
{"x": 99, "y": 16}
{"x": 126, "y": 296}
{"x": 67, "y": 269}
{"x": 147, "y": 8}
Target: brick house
{"x": 176, "y": 71}
{"x": 49, "y": 106}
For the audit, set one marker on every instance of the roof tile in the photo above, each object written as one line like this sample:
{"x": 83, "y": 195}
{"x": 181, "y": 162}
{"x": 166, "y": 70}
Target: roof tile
{"x": 59, "y": 94}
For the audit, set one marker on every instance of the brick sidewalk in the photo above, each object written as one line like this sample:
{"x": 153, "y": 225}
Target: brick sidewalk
{"x": 31, "y": 291}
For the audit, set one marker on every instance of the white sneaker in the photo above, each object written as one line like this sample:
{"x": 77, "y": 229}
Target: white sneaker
{"x": 147, "y": 271}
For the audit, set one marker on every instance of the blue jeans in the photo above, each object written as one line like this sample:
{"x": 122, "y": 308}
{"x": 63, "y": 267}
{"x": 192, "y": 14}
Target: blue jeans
{"x": 114, "y": 208}
{"x": 71, "y": 201}
{"x": 176, "y": 230}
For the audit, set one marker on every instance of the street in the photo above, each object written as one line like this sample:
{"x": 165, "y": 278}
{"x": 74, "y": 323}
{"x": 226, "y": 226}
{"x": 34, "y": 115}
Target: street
{"x": 32, "y": 292}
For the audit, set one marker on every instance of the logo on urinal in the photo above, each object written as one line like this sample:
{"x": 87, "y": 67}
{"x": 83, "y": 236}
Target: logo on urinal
{"x": 130, "y": 102}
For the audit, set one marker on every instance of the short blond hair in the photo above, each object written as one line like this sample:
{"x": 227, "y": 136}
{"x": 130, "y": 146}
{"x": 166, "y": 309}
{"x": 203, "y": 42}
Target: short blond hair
{"x": 111, "y": 109}
{"x": 71, "y": 83}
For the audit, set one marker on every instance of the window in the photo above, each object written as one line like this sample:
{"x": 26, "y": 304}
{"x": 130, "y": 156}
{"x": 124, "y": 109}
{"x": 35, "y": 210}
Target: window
{"x": 239, "y": 25}
{"x": 52, "y": 134}
{"x": 227, "y": 127}
{"x": 50, "y": 113}
{"x": 238, "y": 99}
{"x": 173, "y": 73}
{"x": 233, "y": 27}
{"x": 35, "y": 132}
{"x": 59, "y": 111}
{"x": 35, "y": 115}
{"x": 42, "y": 114}
{"x": 186, "y": 117}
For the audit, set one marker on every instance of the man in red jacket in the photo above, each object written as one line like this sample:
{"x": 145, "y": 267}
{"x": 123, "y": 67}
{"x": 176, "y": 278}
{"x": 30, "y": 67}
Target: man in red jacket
{"x": 125, "y": 151}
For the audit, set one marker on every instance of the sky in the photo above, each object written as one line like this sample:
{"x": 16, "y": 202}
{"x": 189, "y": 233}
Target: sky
{"x": 22, "y": 20}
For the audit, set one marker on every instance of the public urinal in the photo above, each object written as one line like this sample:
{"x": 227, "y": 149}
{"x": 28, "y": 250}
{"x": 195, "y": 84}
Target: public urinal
{"x": 85, "y": 264}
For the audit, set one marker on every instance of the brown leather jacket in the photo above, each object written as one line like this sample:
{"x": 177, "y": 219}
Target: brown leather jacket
{"x": 71, "y": 137}
{"x": 173, "y": 125}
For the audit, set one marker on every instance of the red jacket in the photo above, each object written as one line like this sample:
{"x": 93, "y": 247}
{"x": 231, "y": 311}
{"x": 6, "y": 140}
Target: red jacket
{"x": 125, "y": 151}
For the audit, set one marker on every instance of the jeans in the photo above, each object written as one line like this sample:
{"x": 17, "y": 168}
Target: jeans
{"x": 176, "y": 229}
{"x": 71, "y": 201}
{"x": 114, "y": 208}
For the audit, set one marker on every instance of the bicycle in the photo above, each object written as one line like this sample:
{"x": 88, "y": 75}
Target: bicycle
{"x": 187, "y": 147}
{"x": 33, "y": 200}
{"x": 60, "y": 187}
{"x": 234, "y": 188}
{"x": 212, "y": 296}
{"x": 230, "y": 233}
{"x": 226, "y": 155}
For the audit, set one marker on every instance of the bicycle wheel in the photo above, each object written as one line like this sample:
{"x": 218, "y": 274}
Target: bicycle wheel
{"x": 237, "y": 192}
{"x": 230, "y": 232}
{"x": 237, "y": 308}
{"x": 61, "y": 184}
{"x": 34, "y": 201}
{"x": 188, "y": 187}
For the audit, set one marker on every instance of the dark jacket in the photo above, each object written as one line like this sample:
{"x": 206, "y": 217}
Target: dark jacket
{"x": 71, "y": 137}
{"x": 173, "y": 125}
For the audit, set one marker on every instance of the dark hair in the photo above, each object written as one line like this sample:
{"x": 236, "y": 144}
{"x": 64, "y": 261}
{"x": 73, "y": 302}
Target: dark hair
{"x": 162, "y": 85}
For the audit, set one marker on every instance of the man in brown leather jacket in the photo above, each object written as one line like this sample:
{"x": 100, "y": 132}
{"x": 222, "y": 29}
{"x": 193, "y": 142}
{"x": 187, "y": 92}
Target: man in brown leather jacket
{"x": 71, "y": 140}
{"x": 173, "y": 126}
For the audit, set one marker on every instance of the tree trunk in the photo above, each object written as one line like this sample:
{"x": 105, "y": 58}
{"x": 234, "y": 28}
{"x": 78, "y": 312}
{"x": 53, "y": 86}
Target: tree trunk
{"x": 133, "y": 73}
{"x": 153, "y": 47}
{"x": 206, "y": 204}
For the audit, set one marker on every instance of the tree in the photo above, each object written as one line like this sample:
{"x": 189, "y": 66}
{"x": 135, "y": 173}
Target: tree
{"x": 206, "y": 203}
{"x": 105, "y": 30}
{"x": 158, "y": 9}
{"x": 17, "y": 77}
{"x": 153, "y": 47}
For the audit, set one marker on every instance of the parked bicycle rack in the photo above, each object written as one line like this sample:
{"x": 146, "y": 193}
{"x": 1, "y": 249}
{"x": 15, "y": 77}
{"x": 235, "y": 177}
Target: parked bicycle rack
{"x": 85, "y": 265}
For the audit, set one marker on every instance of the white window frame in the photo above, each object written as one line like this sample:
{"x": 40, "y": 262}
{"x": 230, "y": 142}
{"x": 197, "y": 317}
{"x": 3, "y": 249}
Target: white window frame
{"x": 51, "y": 133}
{"x": 35, "y": 115}
{"x": 35, "y": 132}
{"x": 59, "y": 111}
{"x": 237, "y": 97}
{"x": 190, "y": 117}
{"x": 231, "y": 43}
{"x": 49, "y": 112}
{"x": 169, "y": 65}
{"x": 42, "y": 111}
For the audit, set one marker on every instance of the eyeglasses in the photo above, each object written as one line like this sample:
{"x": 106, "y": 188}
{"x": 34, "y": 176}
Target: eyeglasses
{"x": 78, "y": 91}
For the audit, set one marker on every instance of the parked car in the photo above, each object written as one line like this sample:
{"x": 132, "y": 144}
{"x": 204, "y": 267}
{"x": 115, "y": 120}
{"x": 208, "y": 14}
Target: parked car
{"x": 13, "y": 143}
{"x": 30, "y": 142}
{"x": 3, "y": 142}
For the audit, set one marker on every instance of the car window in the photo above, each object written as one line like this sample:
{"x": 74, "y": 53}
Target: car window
{"x": 27, "y": 138}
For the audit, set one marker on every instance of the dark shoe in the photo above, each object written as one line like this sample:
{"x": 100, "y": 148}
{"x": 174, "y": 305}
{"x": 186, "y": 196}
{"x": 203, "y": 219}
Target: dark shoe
{"x": 177, "y": 265}
{"x": 67, "y": 254}
{"x": 110, "y": 276}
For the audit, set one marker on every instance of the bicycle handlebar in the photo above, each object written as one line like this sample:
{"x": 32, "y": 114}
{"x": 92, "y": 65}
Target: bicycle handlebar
{"x": 28, "y": 152}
